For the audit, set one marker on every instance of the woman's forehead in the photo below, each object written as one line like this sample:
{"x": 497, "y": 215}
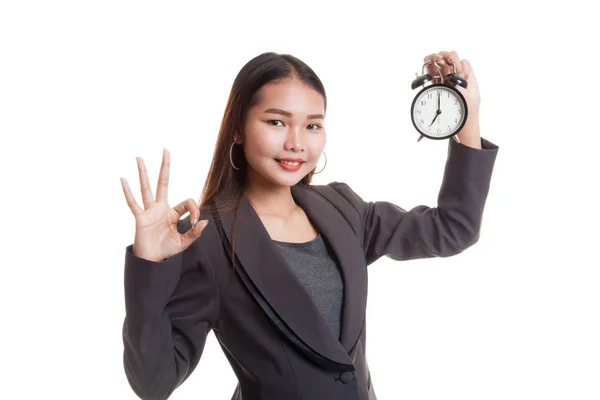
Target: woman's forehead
{"x": 290, "y": 96}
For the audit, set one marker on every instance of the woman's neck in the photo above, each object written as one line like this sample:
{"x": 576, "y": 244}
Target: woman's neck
{"x": 274, "y": 200}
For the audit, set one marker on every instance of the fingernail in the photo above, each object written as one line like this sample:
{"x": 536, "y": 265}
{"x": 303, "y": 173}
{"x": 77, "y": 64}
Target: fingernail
{"x": 461, "y": 73}
{"x": 194, "y": 223}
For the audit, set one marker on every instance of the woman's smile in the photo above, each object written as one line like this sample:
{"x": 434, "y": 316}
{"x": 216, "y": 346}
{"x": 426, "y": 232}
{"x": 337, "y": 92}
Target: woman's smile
{"x": 289, "y": 165}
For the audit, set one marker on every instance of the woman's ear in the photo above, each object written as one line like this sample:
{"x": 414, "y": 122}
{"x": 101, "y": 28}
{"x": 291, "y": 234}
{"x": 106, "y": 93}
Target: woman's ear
{"x": 237, "y": 138}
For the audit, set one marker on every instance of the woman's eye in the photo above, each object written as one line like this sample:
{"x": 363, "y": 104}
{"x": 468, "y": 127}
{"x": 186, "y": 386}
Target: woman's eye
{"x": 274, "y": 122}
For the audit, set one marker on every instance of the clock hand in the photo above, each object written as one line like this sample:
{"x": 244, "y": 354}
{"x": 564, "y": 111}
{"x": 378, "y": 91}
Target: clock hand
{"x": 438, "y": 112}
{"x": 436, "y": 115}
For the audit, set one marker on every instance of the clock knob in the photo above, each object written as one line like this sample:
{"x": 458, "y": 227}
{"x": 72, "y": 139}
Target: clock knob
{"x": 421, "y": 80}
{"x": 424, "y": 78}
{"x": 457, "y": 80}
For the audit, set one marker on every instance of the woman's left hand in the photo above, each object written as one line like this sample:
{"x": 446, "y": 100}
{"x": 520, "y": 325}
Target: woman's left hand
{"x": 469, "y": 134}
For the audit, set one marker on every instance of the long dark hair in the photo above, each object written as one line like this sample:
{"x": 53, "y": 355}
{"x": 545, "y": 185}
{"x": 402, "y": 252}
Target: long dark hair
{"x": 260, "y": 70}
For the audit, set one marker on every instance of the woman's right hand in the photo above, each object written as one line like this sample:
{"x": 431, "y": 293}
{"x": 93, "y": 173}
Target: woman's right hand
{"x": 156, "y": 234}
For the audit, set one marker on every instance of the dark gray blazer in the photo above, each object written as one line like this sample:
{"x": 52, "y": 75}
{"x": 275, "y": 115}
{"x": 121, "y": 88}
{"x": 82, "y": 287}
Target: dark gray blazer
{"x": 277, "y": 342}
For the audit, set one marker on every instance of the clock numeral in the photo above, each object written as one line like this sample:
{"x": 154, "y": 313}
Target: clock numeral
{"x": 439, "y": 130}
{"x": 449, "y": 128}
{"x": 418, "y": 112}
{"x": 421, "y": 121}
{"x": 429, "y": 95}
{"x": 423, "y": 102}
{"x": 456, "y": 120}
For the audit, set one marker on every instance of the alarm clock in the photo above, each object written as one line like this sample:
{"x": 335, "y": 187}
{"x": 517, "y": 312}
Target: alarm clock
{"x": 439, "y": 110}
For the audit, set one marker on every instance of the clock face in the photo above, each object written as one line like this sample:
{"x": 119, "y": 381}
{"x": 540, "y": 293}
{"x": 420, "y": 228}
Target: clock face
{"x": 438, "y": 111}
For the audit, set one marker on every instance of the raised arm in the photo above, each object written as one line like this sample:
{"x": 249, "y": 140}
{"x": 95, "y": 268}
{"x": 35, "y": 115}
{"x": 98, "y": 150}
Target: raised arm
{"x": 424, "y": 231}
{"x": 171, "y": 306}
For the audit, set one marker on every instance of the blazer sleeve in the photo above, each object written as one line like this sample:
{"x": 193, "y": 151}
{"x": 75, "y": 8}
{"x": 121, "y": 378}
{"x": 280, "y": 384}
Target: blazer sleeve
{"x": 425, "y": 231}
{"x": 171, "y": 306}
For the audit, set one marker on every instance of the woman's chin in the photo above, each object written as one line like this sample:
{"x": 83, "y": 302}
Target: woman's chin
{"x": 287, "y": 178}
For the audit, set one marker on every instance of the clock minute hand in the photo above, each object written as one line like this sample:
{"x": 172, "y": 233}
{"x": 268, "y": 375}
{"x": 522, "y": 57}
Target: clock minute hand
{"x": 438, "y": 112}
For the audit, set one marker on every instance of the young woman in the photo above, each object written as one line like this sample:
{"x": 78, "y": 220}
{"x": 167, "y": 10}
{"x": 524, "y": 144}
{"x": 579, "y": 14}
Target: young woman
{"x": 275, "y": 266}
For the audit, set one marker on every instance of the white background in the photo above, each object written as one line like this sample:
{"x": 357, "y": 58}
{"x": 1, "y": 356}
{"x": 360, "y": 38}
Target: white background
{"x": 85, "y": 87}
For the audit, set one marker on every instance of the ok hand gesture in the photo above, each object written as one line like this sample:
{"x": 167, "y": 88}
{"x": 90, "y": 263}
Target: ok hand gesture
{"x": 156, "y": 234}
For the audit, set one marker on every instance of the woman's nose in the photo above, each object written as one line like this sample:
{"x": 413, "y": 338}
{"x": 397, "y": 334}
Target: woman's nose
{"x": 295, "y": 140}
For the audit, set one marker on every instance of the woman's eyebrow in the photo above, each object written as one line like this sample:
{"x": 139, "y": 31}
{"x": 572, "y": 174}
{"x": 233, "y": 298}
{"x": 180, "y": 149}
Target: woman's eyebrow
{"x": 289, "y": 114}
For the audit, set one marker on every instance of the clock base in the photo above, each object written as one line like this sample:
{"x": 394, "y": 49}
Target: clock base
{"x": 453, "y": 137}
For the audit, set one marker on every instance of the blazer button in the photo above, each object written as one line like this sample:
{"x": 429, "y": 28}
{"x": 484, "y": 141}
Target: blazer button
{"x": 346, "y": 376}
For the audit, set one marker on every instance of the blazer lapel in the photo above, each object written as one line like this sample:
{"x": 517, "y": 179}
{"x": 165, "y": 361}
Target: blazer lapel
{"x": 288, "y": 303}
{"x": 337, "y": 232}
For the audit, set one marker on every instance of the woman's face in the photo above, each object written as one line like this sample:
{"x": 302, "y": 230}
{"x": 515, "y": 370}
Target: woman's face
{"x": 286, "y": 124}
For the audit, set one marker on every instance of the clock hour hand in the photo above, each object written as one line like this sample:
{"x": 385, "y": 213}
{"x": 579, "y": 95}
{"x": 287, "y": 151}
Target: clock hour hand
{"x": 436, "y": 115}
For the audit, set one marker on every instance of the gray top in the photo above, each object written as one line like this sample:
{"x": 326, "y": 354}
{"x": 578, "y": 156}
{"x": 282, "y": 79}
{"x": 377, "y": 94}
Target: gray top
{"x": 320, "y": 275}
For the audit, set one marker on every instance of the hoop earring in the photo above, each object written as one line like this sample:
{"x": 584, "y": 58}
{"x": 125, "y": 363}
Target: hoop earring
{"x": 231, "y": 157}
{"x": 323, "y": 165}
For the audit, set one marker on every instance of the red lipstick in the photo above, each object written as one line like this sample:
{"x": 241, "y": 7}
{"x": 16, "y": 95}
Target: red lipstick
{"x": 290, "y": 167}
